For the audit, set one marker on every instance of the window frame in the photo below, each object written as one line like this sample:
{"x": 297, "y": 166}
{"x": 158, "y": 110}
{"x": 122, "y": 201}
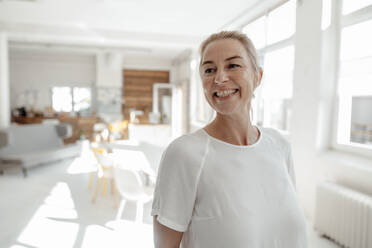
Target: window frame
{"x": 290, "y": 41}
{"x": 338, "y": 22}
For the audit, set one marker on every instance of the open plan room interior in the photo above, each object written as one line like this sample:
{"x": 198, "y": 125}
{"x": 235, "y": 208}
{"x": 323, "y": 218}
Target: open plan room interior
{"x": 93, "y": 92}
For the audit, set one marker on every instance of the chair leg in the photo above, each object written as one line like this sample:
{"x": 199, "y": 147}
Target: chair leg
{"x": 97, "y": 189}
{"x": 91, "y": 180}
{"x": 104, "y": 189}
{"x": 139, "y": 215}
{"x": 112, "y": 186}
{"x": 115, "y": 192}
{"x": 120, "y": 210}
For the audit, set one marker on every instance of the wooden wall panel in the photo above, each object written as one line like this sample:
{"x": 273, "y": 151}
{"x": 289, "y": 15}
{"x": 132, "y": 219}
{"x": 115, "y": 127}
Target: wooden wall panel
{"x": 137, "y": 91}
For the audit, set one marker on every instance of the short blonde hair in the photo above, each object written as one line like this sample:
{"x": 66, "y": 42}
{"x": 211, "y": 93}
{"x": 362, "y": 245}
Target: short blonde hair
{"x": 235, "y": 35}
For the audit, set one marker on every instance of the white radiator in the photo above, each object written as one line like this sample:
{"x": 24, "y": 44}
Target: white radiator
{"x": 344, "y": 215}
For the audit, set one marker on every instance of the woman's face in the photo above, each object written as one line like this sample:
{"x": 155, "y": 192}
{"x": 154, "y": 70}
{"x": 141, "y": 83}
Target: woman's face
{"x": 228, "y": 76}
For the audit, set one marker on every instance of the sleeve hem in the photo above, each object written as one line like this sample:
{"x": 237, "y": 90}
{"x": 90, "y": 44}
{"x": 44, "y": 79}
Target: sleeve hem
{"x": 168, "y": 223}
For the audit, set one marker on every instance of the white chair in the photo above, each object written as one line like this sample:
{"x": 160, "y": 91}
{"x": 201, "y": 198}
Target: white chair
{"x": 131, "y": 188}
{"x": 104, "y": 173}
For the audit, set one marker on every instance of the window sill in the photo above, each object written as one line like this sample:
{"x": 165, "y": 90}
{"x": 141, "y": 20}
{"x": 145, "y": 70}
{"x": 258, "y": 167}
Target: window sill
{"x": 348, "y": 159}
{"x": 354, "y": 150}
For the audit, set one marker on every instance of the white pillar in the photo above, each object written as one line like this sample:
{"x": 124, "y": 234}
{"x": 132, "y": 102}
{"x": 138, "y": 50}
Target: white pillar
{"x": 307, "y": 91}
{"x": 109, "y": 69}
{"x": 109, "y": 75}
{"x": 4, "y": 82}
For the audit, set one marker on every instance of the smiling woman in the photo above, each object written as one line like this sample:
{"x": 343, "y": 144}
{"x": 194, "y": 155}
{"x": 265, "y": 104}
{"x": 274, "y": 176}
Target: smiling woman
{"x": 229, "y": 184}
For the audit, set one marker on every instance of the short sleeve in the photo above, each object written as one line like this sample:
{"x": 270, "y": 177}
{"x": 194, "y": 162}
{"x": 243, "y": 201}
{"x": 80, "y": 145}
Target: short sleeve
{"x": 290, "y": 166}
{"x": 176, "y": 186}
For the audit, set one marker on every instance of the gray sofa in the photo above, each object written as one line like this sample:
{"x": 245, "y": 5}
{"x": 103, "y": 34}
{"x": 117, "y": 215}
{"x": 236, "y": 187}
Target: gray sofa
{"x": 27, "y": 146}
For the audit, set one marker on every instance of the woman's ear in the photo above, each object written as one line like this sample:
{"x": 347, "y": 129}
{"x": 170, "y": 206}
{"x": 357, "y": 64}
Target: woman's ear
{"x": 258, "y": 77}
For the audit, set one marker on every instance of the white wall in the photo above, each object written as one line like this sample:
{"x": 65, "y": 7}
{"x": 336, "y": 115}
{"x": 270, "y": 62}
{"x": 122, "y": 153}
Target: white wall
{"x": 146, "y": 62}
{"x": 40, "y": 70}
{"x": 109, "y": 70}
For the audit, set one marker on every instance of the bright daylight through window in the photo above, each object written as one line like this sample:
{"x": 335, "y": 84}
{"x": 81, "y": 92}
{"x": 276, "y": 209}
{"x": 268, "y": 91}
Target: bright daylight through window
{"x": 272, "y": 34}
{"x": 355, "y": 85}
{"x": 67, "y": 99}
{"x": 349, "y": 6}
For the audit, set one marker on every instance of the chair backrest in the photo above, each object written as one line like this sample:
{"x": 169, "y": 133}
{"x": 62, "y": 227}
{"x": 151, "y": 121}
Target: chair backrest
{"x": 128, "y": 182}
{"x": 102, "y": 157}
{"x": 104, "y": 160}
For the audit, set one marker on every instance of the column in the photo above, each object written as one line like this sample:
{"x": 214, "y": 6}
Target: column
{"x": 307, "y": 88}
{"x": 4, "y": 82}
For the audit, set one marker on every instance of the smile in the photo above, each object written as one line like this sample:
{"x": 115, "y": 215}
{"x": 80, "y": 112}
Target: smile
{"x": 225, "y": 93}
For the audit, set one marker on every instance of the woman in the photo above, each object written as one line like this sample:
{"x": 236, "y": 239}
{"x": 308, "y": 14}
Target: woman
{"x": 230, "y": 184}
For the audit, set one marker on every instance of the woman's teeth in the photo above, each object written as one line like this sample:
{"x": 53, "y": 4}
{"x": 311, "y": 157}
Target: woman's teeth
{"x": 225, "y": 93}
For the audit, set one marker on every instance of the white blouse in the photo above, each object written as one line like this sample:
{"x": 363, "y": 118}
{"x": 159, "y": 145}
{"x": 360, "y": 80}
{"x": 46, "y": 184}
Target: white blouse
{"x": 224, "y": 195}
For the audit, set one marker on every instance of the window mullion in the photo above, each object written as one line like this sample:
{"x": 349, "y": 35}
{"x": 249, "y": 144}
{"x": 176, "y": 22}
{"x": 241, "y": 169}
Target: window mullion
{"x": 357, "y": 16}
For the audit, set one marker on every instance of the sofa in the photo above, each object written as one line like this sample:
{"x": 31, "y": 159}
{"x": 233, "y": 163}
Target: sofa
{"x": 27, "y": 146}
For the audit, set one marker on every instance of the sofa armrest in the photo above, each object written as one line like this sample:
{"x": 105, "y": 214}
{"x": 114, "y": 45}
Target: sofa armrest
{"x": 64, "y": 130}
{"x": 4, "y": 138}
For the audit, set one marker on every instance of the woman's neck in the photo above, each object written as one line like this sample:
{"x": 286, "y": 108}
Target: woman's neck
{"x": 237, "y": 130}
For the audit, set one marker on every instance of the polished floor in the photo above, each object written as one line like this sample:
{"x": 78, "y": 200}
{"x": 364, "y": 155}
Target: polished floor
{"x": 52, "y": 207}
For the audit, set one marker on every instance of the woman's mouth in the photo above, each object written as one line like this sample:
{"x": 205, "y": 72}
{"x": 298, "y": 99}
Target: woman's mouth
{"x": 224, "y": 94}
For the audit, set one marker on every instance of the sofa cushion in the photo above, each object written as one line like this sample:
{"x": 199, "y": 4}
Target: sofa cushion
{"x": 31, "y": 138}
{"x": 31, "y": 159}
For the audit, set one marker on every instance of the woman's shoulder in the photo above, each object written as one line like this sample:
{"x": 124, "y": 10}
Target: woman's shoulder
{"x": 276, "y": 137}
{"x": 189, "y": 144}
{"x": 186, "y": 151}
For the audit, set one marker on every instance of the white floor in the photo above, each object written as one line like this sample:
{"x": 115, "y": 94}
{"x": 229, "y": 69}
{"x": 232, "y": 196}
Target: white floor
{"x": 52, "y": 208}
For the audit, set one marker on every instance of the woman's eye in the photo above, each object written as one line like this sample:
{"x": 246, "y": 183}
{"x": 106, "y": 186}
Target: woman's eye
{"x": 209, "y": 70}
{"x": 234, "y": 65}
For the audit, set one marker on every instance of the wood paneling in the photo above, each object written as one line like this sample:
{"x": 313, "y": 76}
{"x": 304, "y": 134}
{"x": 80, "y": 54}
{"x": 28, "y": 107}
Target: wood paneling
{"x": 138, "y": 91}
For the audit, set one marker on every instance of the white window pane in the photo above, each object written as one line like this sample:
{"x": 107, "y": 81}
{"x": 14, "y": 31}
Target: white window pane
{"x": 277, "y": 113}
{"x": 277, "y": 88}
{"x": 256, "y": 32}
{"x": 82, "y": 98}
{"x": 281, "y": 22}
{"x": 361, "y": 120}
{"x": 355, "y": 43}
{"x": 349, "y": 6}
{"x": 361, "y": 66}
{"x": 279, "y": 60}
{"x": 278, "y": 73}
{"x": 62, "y": 99}
{"x": 355, "y": 86}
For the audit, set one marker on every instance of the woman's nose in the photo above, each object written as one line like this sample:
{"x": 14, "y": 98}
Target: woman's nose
{"x": 221, "y": 77}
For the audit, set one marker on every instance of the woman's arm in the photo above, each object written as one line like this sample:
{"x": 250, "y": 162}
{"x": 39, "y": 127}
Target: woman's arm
{"x": 165, "y": 237}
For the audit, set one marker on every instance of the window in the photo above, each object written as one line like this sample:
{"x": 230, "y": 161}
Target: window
{"x": 277, "y": 87}
{"x": 355, "y": 86}
{"x": 349, "y": 6}
{"x": 200, "y": 110}
{"x": 273, "y": 36}
{"x": 81, "y": 98}
{"x": 281, "y": 22}
{"x": 62, "y": 99}
{"x": 256, "y": 31}
{"x": 68, "y": 99}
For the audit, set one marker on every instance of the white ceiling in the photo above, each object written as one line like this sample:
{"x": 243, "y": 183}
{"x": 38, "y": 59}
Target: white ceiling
{"x": 167, "y": 26}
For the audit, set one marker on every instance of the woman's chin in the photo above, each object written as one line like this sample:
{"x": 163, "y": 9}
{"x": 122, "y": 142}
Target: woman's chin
{"x": 227, "y": 110}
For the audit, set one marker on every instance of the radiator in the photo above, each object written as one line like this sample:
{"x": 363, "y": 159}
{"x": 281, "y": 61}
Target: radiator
{"x": 343, "y": 215}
